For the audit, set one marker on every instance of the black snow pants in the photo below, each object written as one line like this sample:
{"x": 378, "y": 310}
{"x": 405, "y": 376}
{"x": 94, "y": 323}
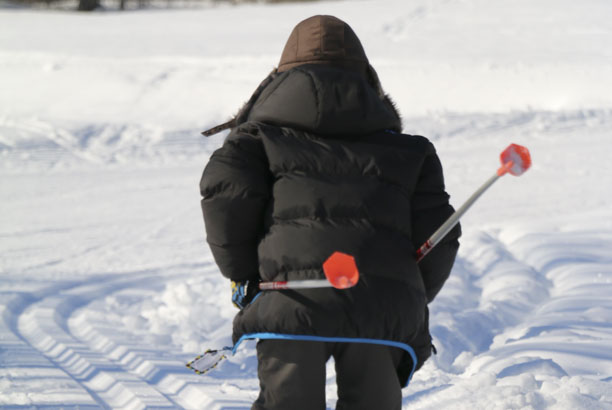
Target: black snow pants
{"x": 292, "y": 375}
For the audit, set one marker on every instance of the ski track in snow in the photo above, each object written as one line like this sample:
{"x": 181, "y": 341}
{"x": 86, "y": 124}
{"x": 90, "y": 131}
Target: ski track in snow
{"x": 102, "y": 367}
{"x": 516, "y": 310}
{"x": 534, "y": 325}
{"x": 523, "y": 322}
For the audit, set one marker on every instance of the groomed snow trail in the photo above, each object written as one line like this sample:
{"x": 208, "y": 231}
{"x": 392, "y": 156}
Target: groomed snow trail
{"x": 56, "y": 333}
{"x": 523, "y": 322}
{"x": 537, "y": 336}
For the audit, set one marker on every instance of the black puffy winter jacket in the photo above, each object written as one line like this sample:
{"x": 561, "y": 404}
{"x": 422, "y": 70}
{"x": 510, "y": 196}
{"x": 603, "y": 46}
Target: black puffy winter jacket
{"x": 319, "y": 166}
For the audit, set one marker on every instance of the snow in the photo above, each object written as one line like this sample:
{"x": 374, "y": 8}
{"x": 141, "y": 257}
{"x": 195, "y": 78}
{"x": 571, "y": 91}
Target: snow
{"x": 107, "y": 287}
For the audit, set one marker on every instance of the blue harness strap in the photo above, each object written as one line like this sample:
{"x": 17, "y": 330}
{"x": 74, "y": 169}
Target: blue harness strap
{"x": 311, "y": 338}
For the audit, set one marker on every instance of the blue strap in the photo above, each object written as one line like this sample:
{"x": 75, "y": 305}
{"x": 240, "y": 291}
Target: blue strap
{"x": 311, "y": 338}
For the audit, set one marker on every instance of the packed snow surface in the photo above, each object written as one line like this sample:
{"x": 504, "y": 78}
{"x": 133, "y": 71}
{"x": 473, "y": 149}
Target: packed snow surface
{"x": 107, "y": 287}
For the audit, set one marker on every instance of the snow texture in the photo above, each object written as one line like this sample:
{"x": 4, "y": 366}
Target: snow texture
{"x": 107, "y": 287}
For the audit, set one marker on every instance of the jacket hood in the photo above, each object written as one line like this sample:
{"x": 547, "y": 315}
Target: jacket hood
{"x": 323, "y": 40}
{"x": 324, "y": 85}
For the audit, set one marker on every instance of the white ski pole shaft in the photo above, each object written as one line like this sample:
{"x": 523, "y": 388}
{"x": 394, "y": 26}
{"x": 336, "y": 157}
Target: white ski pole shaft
{"x": 295, "y": 284}
{"x": 453, "y": 220}
{"x": 515, "y": 160}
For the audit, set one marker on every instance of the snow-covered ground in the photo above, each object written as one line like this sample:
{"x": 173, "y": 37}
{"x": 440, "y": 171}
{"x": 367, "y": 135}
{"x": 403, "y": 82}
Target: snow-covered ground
{"x": 107, "y": 287}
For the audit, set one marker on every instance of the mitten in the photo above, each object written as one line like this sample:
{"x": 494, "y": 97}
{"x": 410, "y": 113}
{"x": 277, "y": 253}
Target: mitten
{"x": 244, "y": 292}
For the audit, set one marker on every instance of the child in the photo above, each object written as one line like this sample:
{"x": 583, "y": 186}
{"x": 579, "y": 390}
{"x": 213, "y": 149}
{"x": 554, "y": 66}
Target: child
{"x": 316, "y": 163}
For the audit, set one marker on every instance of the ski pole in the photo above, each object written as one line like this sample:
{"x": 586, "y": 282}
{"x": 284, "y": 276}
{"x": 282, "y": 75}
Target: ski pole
{"x": 340, "y": 270}
{"x": 515, "y": 159}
